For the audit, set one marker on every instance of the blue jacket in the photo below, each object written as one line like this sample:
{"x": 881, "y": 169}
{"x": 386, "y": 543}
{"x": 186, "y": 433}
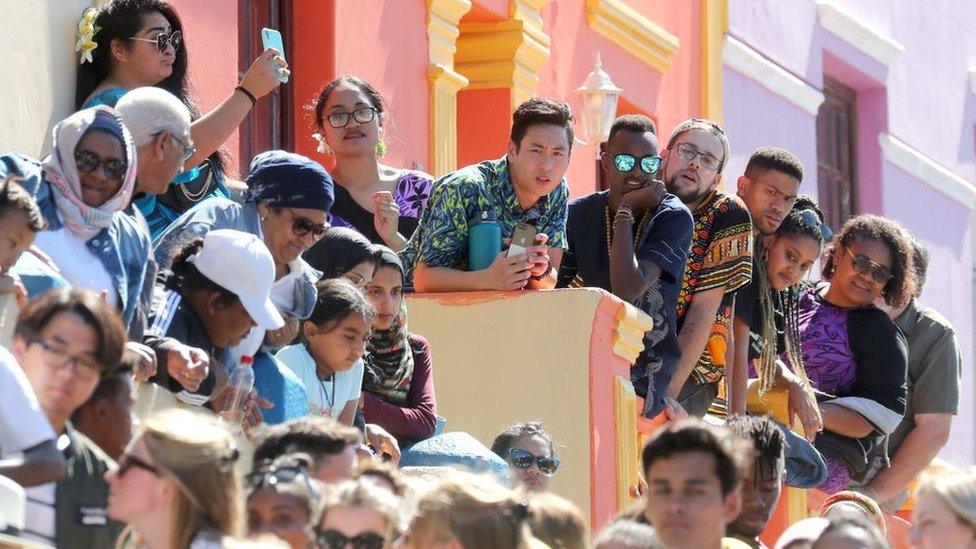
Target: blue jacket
{"x": 222, "y": 213}
{"x": 122, "y": 247}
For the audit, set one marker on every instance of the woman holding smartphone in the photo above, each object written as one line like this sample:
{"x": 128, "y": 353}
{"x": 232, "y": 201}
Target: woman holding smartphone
{"x": 141, "y": 43}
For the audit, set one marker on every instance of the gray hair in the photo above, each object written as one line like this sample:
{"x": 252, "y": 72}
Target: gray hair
{"x": 148, "y": 111}
{"x": 704, "y": 125}
{"x": 628, "y": 533}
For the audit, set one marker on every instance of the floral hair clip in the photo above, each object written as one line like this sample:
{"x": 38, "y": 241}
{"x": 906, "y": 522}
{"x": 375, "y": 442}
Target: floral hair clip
{"x": 86, "y": 34}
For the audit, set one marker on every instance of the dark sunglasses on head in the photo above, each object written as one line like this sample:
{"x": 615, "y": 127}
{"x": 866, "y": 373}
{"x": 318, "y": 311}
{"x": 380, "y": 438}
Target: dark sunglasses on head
{"x": 128, "y": 461}
{"x": 88, "y": 162}
{"x": 626, "y": 162}
{"x": 341, "y": 119}
{"x": 302, "y": 226}
{"x": 523, "y": 459}
{"x": 866, "y": 266}
{"x": 810, "y": 219}
{"x": 332, "y": 539}
{"x": 162, "y": 40}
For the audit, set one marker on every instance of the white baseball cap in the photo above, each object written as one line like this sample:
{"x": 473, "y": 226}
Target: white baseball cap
{"x": 240, "y": 263}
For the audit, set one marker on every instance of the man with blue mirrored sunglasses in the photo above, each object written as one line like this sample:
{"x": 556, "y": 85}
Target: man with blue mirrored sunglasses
{"x": 632, "y": 240}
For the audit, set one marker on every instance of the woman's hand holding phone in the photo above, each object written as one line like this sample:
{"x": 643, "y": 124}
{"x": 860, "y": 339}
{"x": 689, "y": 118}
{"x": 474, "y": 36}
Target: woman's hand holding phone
{"x": 262, "y": 77}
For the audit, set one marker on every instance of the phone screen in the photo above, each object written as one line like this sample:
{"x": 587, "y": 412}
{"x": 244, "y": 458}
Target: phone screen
{"x": 271, "y": 38}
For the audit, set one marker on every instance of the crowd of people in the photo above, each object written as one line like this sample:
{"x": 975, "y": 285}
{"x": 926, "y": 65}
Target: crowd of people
{"x": 142, "y": 280}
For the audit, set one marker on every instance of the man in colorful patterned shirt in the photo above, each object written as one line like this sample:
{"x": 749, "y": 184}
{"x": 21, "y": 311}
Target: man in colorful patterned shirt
{"x": 525, "y": 185}
{"x": 719, "y": 264}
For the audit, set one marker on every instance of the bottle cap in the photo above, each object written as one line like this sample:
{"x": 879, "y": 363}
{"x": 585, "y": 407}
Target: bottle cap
{"x": 482, "y": 217}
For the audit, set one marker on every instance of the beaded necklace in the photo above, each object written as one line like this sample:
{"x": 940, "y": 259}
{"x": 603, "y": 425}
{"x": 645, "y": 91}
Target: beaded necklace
{"x": 608, "y": 225}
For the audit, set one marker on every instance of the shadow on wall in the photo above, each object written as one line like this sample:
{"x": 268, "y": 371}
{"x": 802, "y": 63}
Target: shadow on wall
{"x": 40, "y": 63}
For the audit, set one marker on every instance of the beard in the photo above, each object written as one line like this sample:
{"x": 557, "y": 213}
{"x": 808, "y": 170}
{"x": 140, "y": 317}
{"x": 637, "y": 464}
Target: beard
{"x": 688, "y": 195}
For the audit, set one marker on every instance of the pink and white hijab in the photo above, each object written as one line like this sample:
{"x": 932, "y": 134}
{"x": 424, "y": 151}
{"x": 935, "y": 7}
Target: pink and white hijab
{"x": 61, "y": 172}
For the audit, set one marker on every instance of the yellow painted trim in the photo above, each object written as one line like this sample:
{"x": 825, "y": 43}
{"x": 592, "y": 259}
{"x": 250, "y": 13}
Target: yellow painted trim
{"x": 628, "y": 335}
{"x": 445, "y": 81}
{"x": 625, "y": 404}
{"x": 636, "y": 34}
{"x": 715, "y": 23}
{"x": 505, "y": 54}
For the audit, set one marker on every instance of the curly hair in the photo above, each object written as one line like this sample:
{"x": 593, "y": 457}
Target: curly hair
{"x": 901, "y": 287}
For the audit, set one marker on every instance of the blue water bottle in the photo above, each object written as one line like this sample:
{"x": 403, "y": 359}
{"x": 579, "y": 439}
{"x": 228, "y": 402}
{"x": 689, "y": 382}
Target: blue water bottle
{"x": 484, "y": 240}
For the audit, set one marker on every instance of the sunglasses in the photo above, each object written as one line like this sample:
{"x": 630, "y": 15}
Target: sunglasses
{"x": 626, "y": 162}
{"x": 272, "y": 476}
{"x": 332, "y": 539}
{"x": 162, "y": 40}
{"x": 522, "y": 459}
{"x": 302, "y": 226}
{"x": 128, "y": 461}
{"x": 341, "y": 119}
{"x": 88, "y": 162}
{"x": 866, "y": 266}
{"x": 811, "y": 220}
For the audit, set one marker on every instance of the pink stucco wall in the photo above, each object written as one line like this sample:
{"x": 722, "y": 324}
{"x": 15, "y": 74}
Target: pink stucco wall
{"x": 670, "y": 96}
{"x": 923, "y": 98}
{"x": 211, "y": 38}
{"x": 387, "y": 46}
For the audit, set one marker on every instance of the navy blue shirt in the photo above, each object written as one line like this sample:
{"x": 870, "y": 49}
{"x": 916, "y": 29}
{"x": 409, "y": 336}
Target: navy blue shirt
{"x": 665, "y": 240}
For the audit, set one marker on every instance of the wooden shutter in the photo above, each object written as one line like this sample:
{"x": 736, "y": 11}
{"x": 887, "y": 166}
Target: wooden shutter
{"x": 268, "y": 126}
{"x": 836, "y": 153}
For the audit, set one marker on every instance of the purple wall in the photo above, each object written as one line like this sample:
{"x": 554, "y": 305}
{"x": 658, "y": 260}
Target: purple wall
{"x": 922, "y": 97}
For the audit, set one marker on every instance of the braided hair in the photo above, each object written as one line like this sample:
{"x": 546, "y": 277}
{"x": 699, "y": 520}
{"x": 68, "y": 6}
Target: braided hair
{"x": 805, "y": 219}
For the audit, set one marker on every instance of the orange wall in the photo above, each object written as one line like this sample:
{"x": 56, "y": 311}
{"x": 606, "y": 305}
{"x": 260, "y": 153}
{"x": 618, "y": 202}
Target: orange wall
{"x": 386, "y": 44}
{"x": 313, "y": 64}
{"x": 484, "y": 121}
{"x": 211, "y": 37}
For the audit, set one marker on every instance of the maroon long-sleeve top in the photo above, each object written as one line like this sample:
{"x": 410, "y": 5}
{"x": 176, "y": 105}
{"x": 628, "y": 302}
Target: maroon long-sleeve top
{"x": 415, "y": 420}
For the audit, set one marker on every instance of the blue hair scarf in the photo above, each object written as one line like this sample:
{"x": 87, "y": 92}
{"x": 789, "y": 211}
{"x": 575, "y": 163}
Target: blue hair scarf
{"x": 288, "y": 180}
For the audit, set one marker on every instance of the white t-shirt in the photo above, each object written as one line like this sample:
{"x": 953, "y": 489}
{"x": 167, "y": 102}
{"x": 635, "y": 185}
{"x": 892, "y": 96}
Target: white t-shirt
{"x": 325, "y": 398}
{"x": 283, "y": 297}
{"x": 40, "y": 517}
{"x": 77, "y": 263}
{"x": 22, "y": 422}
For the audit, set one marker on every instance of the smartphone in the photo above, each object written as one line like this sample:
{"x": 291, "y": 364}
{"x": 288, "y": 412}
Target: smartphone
{"x": 271, "y": 38}
{"x": 522, "y": 237}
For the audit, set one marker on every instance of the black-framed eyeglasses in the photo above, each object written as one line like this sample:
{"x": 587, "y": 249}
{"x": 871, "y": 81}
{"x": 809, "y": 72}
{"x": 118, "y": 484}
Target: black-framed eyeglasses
{"x": 162, "y": 40}
{"x": 810, "y": 219}
{"x": 341, "y": 119}
{"x": 523, "y": 459}
{"x": 333, "y": 539}
{"x": 866, "y": 266}
{"x": 625, "y": 163}
{"x": 84, "y": 367}
{"x": 689, "y": 152}
{"x": 87, "y": 162}
{"x": 302, "y": 226}
{"x": 128, "y": 461}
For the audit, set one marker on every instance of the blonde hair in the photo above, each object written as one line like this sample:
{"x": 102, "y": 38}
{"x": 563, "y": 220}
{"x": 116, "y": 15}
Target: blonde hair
{"x": 197, "y": 453}
{"x": 957, "y": 489}
{"x": 475, "y": 511}
{"x": 555, "y": 521}
{"x": 365, "y": 494}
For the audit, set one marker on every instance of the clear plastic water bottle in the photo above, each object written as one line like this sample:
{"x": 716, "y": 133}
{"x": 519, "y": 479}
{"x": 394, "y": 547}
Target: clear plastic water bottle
{"x": 240, "y": 383}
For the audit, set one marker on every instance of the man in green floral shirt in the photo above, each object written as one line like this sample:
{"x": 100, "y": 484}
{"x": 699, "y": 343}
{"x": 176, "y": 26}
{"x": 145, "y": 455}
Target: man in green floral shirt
{"x": 525, "y": 185}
